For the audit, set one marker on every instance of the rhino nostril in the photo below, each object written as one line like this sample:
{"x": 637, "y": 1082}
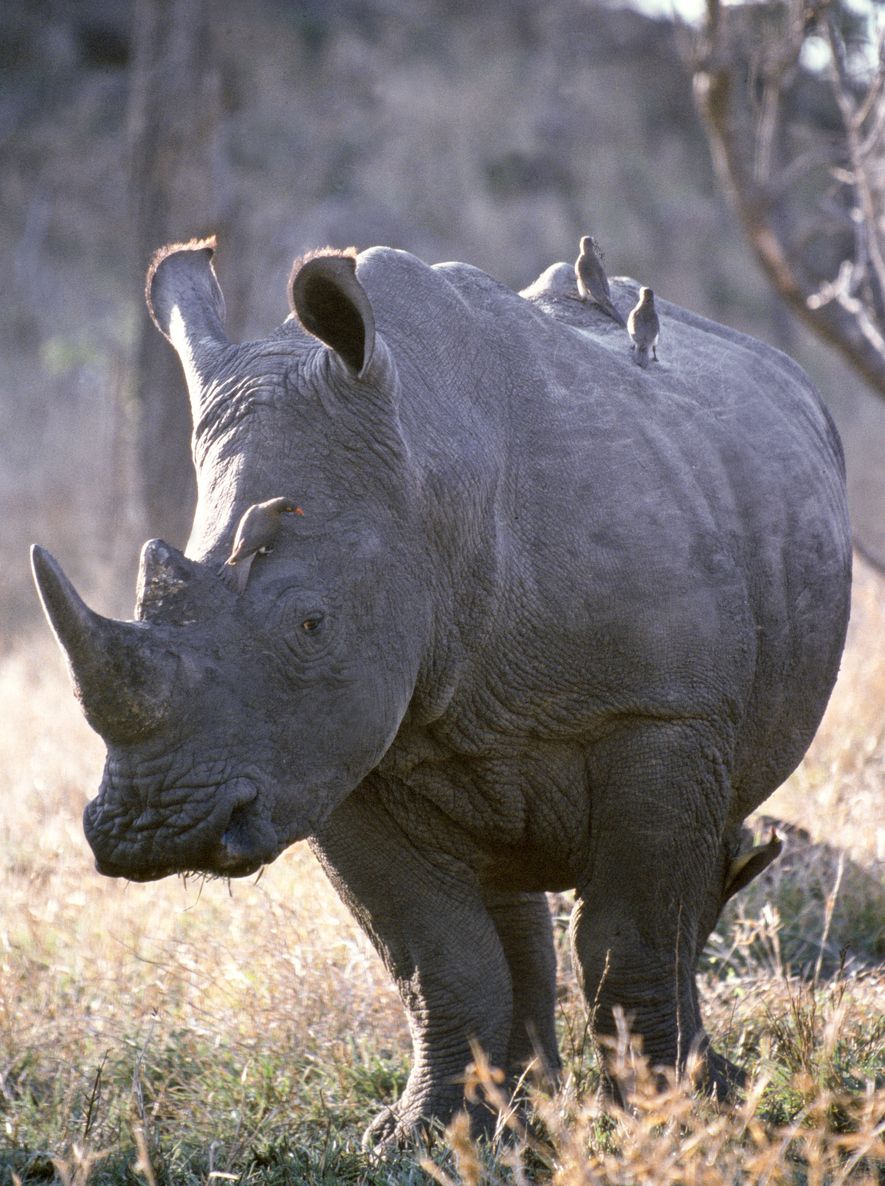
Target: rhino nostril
{"x": 248, "y": 840}
{"x": 236, "y": 834}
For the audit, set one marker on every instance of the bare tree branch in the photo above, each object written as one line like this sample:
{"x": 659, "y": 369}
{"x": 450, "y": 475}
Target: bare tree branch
{"x": 746, "y": 65}
{"x": 863, "y": 160}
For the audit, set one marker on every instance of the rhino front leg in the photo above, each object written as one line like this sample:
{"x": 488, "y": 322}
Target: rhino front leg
{"x": 428, "y": 922}
{"x": 660, "y": 799}
{"x": 526, "y": 933}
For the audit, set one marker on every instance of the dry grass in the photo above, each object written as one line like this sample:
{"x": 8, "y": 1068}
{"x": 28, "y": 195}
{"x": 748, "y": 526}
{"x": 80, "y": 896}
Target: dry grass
{"x": 199, "y": 1032}
{"x": 671, "y": 1138}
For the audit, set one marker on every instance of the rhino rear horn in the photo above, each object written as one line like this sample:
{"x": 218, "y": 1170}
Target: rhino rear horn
{"x": 172, "y": 589}
{"x": 186, "y": 304}
{"x": 332, "y": 305}
{"x": 121, "y": 677}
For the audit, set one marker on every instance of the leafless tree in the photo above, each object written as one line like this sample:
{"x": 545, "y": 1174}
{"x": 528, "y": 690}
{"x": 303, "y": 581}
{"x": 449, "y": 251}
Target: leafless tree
{"x": 801, "y": 150}
{"x": 173, "y": 129}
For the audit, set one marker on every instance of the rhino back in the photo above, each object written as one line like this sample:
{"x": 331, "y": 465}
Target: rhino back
{"x": 670, "y": 541}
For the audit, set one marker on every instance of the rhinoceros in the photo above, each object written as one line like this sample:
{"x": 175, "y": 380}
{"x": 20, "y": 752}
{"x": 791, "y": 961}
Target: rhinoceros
{"x": 548, "y": 621}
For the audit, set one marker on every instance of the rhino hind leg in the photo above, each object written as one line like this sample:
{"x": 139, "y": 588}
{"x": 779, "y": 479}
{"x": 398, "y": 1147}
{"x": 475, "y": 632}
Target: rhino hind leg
{"x": 524, "y": 927}
{"x": 659, "y": 809}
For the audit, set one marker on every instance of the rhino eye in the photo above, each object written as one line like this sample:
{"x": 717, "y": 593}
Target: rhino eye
{"x": 309, "y": 625}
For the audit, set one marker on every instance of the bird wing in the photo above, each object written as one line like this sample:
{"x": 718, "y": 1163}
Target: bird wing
{"x": 238, "y": 551}
{"x": 598, "y": 280}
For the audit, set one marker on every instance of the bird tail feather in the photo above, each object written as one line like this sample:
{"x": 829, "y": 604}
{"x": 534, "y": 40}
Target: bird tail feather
{"x": 614, "y": 314}
{"x": 236, "y": 575}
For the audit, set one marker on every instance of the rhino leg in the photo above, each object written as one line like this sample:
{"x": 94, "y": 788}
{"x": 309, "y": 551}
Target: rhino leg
{"x": 526, "y": 933}
{"x": 660, "y": 799}
{"x": 427, "y": 920}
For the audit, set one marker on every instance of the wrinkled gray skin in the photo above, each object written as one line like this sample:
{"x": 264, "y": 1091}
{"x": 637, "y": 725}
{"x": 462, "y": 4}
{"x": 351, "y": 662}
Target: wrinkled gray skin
{"x": 577, "y": 620}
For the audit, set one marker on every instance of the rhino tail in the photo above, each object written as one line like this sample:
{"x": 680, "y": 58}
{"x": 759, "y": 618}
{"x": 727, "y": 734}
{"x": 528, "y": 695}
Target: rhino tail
{"x": 748, "y": 865}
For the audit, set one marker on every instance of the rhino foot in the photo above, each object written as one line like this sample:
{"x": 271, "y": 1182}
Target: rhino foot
{"x": 719, "y": 1077}
{"x": 415, "y": 1121}
{"x": 385, "y": 1134}
{"x": 720, "y": 1081}
{"x": 393, "y": 1130}
{"x": 708, "y": 1072}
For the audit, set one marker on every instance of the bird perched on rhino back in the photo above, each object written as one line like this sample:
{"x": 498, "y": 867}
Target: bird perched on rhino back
{"x": 592, "y": 280}
{"x": 644, "y": 327}
{"x": 255, "y": 536}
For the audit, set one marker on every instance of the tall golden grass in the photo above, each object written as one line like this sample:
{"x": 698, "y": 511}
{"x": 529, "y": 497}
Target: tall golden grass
{"x": 196, "y": 1024}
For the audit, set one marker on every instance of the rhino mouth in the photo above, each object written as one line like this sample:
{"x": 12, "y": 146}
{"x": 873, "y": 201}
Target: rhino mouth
{"x": 233, "y": 835}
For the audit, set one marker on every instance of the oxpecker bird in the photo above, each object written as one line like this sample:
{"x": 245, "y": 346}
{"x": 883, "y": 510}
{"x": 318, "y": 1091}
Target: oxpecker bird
{"x": 255, "y": 536}
{"x": 644, "y": 327}
{"x": 592, "y": 280}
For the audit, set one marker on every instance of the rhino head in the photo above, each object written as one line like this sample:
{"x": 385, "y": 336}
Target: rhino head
{"x": 235, "y": 723}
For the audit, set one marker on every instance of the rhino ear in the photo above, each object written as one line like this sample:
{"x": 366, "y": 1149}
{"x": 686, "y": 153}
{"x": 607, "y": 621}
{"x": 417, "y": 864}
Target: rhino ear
{"x": 185, "y": 301}
{"x": 331, "y": 304}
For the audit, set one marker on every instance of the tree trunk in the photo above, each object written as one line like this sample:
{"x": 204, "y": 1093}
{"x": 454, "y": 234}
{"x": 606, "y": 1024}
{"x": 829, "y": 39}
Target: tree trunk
{"x": 173, "y": 129}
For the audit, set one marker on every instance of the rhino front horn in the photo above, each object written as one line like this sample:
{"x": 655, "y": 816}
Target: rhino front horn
{"x": 121, "y": 677}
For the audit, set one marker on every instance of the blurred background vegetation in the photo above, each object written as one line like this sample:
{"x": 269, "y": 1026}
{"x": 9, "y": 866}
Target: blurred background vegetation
{"x": 494, "y": 133}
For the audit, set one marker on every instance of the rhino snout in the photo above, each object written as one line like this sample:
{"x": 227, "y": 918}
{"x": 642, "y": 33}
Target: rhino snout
{"x": 220, "y": 829}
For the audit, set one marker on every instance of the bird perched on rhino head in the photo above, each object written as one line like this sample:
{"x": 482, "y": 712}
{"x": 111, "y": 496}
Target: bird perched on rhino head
{"x": 255, "y": 536}
{"x": 644, "y": 327}
{"x": 592, "y": 280}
